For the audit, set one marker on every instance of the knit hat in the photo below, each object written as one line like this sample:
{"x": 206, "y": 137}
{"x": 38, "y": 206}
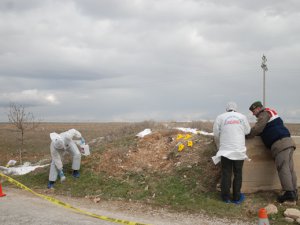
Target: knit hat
{"x": 255, "y": 105}
{"x": 231, "y": 106}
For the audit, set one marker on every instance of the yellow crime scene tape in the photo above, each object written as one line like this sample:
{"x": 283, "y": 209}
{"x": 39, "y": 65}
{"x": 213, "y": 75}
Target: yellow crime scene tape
{"x": 68, "y": 206}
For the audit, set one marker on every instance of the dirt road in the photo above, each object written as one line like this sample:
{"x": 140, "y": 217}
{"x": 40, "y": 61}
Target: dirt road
{"x": 20, "y": 207}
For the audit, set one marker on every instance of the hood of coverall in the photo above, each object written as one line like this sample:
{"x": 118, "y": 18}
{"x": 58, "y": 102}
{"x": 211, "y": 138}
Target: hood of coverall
{"x": 57, "y": 140}
{"x": 231, "y": 106}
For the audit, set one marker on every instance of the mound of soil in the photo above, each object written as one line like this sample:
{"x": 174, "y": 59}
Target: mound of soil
{"x": 159, "y": 152}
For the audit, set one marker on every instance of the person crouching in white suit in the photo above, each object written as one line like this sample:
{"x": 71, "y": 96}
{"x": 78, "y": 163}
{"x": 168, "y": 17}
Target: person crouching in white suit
{"x": 60, "y": 145}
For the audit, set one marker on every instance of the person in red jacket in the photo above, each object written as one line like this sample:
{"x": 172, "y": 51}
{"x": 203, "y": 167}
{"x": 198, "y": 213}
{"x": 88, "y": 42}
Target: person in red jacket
{"x": 277, "y": 138}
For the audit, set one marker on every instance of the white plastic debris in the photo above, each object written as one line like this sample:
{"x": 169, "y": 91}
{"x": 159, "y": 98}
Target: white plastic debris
{"x": 144, "y": 133}
{"x": 187, "y": 130}
{"x": 205, "y": 133}
{"x": 11, "y": 163}
{"x": 19, "y": 170}
{"x": 194, "y": 131}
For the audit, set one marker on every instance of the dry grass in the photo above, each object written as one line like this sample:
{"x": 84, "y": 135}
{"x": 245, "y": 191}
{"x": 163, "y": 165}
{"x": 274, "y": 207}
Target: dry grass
{"x": 96, "y": 134}
{"x": 36, "y": 146}
{"x": 37, "y": 141}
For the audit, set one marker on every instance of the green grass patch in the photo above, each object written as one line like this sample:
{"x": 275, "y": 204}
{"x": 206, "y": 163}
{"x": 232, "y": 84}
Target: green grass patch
{"x": 180, "y": 194}
{"x": 178, "y": 191}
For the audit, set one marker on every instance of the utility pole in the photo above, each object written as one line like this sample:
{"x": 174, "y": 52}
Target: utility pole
{"x": 265, "y": 68}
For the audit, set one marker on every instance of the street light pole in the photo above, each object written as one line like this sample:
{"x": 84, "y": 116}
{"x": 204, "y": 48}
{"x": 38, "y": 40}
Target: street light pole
{"x": 265, "y": 68}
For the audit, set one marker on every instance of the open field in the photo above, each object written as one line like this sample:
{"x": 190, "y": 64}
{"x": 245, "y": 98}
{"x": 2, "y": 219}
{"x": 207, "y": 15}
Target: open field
{"x": 37, "y": 141}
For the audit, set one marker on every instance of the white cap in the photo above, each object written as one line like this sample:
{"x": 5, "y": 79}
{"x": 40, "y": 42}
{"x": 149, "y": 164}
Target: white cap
{"x": 231, "y": 106}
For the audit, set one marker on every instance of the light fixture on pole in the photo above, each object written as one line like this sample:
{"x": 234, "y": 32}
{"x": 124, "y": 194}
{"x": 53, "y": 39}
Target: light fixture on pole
{"x": 265, "y": 68}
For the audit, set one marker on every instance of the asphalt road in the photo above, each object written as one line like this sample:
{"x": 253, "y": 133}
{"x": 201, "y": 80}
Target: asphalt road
{"x": 20, "y": 207}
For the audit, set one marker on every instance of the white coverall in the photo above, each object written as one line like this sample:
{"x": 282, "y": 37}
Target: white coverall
{"x": 60, "y": 145}
{"x": 229, "y": 130}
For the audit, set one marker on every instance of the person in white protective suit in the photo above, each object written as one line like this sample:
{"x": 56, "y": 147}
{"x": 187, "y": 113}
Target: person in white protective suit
{"x": 230, "y": 129}
{"x": 60, "y": 145}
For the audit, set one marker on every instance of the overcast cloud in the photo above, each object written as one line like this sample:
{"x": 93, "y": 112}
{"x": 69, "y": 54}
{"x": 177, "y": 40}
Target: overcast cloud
{"x": 135, "y": 60}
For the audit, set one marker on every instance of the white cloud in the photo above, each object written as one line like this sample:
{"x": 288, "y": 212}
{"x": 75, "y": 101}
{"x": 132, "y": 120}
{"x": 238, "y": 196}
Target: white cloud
{"x": 29, "y": 98}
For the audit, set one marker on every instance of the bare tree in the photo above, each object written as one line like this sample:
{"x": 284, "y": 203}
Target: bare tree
{"x": 22, "y": 120}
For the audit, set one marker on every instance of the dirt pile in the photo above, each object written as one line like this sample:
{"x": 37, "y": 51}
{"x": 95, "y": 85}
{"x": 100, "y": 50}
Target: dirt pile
{"x": 158, "y": 152}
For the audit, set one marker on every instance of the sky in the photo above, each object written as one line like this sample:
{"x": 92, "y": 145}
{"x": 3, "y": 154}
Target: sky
{"x": 137, "y": 60}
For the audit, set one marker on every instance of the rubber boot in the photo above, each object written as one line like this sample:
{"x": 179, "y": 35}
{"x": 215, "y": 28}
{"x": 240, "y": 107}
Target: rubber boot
{"x": 76, "y": 173}
{"x": 225, "y": 198}
{"x": 242, "y": 198}
{"x": 288, "y": 196}
{"x": 50, "y": 184}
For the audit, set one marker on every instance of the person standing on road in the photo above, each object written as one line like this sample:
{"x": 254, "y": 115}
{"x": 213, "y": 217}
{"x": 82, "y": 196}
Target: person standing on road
{"x": 277, "y": 138}
{"x": 229, "y": 131}
{"x": 60, "y": 145}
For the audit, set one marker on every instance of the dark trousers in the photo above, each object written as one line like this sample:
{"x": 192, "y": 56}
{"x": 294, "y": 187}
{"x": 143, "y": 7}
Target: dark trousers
{"x": 228, "y": 166}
